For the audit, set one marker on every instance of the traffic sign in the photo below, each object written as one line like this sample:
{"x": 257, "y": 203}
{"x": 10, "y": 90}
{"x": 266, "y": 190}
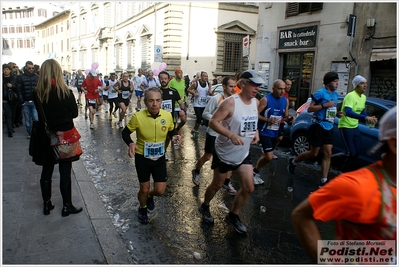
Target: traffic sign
{"x": 245, "y": 46}
{"x": 158, "y": 53}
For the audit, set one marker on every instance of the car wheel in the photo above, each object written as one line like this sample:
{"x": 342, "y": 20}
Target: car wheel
{"x": 300, "y": 143}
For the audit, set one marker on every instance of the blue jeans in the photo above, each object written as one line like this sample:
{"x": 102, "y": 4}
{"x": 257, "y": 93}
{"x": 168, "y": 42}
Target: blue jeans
{"x": 30, "y": 114}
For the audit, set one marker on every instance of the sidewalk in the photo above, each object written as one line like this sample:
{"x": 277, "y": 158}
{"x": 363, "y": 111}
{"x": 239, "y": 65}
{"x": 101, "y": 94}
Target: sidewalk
{"x": 29, "y": 237}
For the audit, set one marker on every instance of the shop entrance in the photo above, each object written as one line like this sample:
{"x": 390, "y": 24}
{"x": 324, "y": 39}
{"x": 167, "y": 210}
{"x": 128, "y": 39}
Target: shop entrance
{"x": 298, "y": 67}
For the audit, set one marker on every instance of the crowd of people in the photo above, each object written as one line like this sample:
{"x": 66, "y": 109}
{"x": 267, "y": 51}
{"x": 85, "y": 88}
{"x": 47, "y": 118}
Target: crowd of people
{"x": 235, "y": 119}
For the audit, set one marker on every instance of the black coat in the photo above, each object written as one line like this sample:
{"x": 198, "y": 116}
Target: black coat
{"x": 11, "y": 79}
{"x": 59, "y": 115}
{"x": 26, "y": 83}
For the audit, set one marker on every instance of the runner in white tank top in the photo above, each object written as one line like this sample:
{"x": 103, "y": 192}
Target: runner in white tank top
{"x": 236, "y": 122}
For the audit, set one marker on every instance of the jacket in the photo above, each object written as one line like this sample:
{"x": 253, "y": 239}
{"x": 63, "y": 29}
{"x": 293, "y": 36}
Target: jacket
{"x": 11, "y": 79}
{"x": 26, "y": 83}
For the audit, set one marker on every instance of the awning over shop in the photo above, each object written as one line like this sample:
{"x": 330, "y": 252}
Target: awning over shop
{"x": 379, "y": 54}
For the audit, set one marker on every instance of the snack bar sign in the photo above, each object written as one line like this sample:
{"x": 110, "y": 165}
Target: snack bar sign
{"x": 298, "y": 37}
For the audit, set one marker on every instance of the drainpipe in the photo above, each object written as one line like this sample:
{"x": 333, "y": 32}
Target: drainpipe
{"x": 188, "y": 33}
{"x": 350, "y": 45}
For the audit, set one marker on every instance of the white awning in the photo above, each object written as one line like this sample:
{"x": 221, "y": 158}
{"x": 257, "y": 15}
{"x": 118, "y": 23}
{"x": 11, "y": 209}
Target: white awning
{"x": 383, "y": 54}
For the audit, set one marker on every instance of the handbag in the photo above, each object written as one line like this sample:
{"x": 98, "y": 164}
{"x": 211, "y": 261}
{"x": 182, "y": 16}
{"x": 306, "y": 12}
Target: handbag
{"x": 65, "y": 145}
{"x": 11, "y": 95}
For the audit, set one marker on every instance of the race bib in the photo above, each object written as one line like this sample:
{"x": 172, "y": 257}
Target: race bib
{"x": 154, "y": 151}
{"x": 203, "y": 100}
{"x": 274, "y": 126}
{"x": 248, "y": 127}
{"x": 125, "y": 94}
{"x": 331, "y": 113}
{"x": 92, "y": 101}
{"x": 167, "y": 105}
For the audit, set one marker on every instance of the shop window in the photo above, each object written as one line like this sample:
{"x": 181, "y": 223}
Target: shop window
{"x": 294, "y": 9}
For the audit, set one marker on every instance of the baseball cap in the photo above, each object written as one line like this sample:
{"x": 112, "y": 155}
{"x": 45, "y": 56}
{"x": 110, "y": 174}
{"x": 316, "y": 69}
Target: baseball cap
{"x": 387, "y": 129}
{"x": 253, "y": 76}
{"x": 93, "y": 72}
{"x": 178, "y": 70}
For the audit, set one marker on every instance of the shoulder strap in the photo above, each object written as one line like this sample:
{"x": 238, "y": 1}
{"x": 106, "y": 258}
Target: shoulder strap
{"x": 378, "y": 174}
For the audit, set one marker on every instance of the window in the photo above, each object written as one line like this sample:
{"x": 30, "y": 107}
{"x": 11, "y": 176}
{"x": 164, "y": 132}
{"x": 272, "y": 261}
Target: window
{"x": 5, "y": 44}
{"x": 12, "y": 30}
{"x": 62, "y": 45}
{"x": 232, "y": 59}
{"x": 42, "y": 13}
{"x": 56, "y": 29}
{"x": 19, "y": 29}
{"x": 294, "y": 9}
{"x": 5, "y": 30}
{"x": 20, "y": 43}
{"x": 27, "y": 28}
{"x": 10, "y": 15}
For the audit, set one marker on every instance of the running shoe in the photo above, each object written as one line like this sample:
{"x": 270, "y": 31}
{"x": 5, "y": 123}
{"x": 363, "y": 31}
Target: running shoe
{"x": 142, "y": 215}
{"x": 91, "y": 125}
{"x": 166, "y": 156}
{"x": 291, "y": 166}
{"x": 206, "y": 215}
{"x": 236, "y": 222}
{"x": 196, "y": 177}
{"x": 120, "y": 124}
{"x": 195, "y": 135}
{"x": 257, "y": 179}
{"x": 150, "y": 203}
{"x": 230, "y": 189}
{"x": 322, "y": 183}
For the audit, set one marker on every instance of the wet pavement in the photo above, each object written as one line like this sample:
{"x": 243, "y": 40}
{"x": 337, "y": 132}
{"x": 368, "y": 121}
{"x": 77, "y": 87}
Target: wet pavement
{"x": 176, "y": 234}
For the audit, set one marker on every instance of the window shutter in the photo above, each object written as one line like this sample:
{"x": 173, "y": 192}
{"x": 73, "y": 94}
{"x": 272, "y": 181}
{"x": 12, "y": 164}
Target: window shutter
{"x": 316, "y": 6}
{"x": 292, "y": 9}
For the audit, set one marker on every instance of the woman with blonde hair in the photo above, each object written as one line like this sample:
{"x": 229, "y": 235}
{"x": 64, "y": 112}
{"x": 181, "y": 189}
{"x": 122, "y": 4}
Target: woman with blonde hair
{"x": 59, "y": 108}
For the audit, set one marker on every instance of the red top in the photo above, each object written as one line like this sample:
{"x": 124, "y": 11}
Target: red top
{"x": 362, "y": 203}
{"x": 91, "y": 86}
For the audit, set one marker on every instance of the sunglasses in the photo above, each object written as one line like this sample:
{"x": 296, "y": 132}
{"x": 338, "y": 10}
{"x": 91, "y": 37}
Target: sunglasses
{"x": 30, "y": 68}
{"x": 254, "y": 84}
{"x": 15, "y": 67}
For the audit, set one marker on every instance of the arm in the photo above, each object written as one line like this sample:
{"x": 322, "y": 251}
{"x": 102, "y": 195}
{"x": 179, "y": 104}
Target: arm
{"x": 210, "y": 108}
{"x": 128, "y": 140}
{"x": 192, "y": 88}
{"x": 362, "y": 116}
{"x": 225, "y": 111}
{"x": 209, "y": 89}
{"x": 306, "y": 228}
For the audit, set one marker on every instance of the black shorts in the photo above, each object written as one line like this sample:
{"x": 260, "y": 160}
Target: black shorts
{"x": 79, "y": 88}
{"x": 318, "y": 136}
{"x": 281, "y": 129}
{"x": 93, "y": 105}
{"x": 209, "y": 143}
{"x": 125, "y": 101}
{"x": 268, "y": 143}
{"x": 105, "y": 97}
{"x": 224, "y": 167}
{"x": 198, "y": 113}
{"x": 145, "y": 167}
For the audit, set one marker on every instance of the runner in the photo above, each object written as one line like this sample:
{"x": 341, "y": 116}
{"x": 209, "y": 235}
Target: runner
{"x": 91, "y": 87}
{"x": 151, "y": 125}
{"x": 228, "y": 84}
{"x": 235, "y": 120}
{"x": 200, "y": 90}
{"x": 124, "y": 93}
{"x": 113, "y": 96}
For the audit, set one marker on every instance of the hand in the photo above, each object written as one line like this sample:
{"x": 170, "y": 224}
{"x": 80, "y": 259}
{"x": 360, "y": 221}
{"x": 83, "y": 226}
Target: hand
{"x": 9, "y": 85}
{"x": 132, "y": 149}
{"x": 340, "y": 114}
{"x": 178, "y": 137}
{"x": 371, "y": 119}
{"x": 329, "y": 104}
{"x": 196, "y": 95}
{"x": 236, "y": 139}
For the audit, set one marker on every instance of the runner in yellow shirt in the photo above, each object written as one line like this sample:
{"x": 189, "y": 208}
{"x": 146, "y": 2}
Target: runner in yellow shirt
{"x": 151, "y": 125}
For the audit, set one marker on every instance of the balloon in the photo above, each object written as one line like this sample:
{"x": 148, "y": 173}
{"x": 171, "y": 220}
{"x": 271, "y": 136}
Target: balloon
{"x": 162, "y": 66}
{"x": 156, "y": 72}
{"x": 87, "y": 71}
{"x": 94, "y": 65}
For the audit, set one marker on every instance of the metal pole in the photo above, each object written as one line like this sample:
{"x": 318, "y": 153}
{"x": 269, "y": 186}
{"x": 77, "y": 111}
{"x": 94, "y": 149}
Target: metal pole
{"x": 350, "y": 45}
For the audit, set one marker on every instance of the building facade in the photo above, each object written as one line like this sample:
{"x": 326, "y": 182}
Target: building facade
{"x": 303, "y": 41}
{"x": 18, "y": 30}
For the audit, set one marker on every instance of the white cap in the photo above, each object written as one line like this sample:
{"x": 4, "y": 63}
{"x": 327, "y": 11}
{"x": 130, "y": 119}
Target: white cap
{"x": 93, "y": 72}
{"x": 358, "y": 79}
{"x": 387, "y": 129}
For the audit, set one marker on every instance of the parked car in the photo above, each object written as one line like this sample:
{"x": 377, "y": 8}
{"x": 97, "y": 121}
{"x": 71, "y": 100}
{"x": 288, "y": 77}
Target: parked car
{"x": 374, "y": 107}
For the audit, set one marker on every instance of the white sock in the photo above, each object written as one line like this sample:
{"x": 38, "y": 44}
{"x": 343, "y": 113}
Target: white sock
{"x": 293, "y": 162}
{"x": 323, "y": 180}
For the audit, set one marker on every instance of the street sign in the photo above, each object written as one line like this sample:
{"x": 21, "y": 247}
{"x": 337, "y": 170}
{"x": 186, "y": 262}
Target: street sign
{"x": 245, "y": 46}
{"x": 158, "y": 53}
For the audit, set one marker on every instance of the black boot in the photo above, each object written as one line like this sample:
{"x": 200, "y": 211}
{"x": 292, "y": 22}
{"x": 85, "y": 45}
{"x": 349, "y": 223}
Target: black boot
{"x": 46, "y": 195}
{"x": 66, "y": 192}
